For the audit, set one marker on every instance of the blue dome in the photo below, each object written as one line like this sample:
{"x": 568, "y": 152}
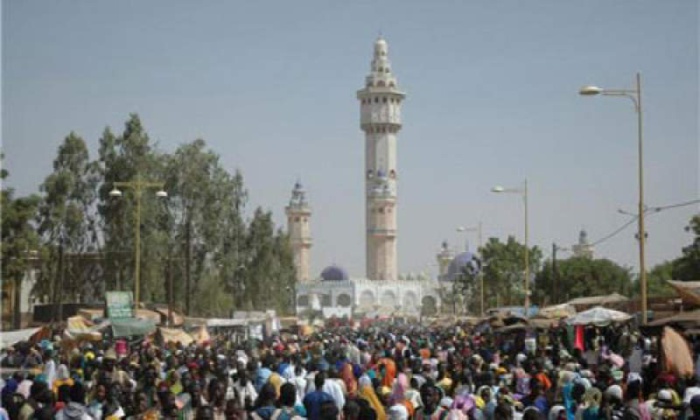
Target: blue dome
{"x": 458, "y": 264}
{"x": 334, "y": 273}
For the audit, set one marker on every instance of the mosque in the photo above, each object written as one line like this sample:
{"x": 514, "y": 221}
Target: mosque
{"x": 382, "y": 291}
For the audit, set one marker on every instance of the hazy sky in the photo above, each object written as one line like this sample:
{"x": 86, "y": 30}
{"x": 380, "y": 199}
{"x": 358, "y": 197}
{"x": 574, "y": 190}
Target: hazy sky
{"x": 492, "y": 99}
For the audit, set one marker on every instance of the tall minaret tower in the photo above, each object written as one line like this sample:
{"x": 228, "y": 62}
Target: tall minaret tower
{"x": 380, "y": 119}
{"x": 298, "y": 214}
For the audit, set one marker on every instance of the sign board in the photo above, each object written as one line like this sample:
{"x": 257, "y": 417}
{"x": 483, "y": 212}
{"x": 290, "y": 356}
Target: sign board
{"x": 119, "y": 305}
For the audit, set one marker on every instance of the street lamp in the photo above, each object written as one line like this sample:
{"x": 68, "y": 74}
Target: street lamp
{"x": 635, "y": 95}
{"x": 523, "y": 192}
{"x": 138, "y": 185}
{"x": 476, "y": 229}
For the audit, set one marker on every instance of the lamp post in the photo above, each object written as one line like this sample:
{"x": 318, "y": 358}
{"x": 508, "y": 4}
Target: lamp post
{"x": 555, "y": 272}
{"x": 523, "y": 192}
{"x": 635, "y": 95}
{"x": 138, "y": 185}
{"x": 476, "y": 229}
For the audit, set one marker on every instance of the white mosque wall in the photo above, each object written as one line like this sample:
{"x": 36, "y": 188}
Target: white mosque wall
{"x": 343, "y": 298}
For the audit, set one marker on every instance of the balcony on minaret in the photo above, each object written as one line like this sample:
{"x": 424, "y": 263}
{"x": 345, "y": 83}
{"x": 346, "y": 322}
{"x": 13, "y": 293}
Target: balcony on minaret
{"x": 391, "y": 233}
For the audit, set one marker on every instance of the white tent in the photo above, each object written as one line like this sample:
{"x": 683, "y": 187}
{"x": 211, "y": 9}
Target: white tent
{"x": 598, "y": 316}
{"x": 9, "y": 338}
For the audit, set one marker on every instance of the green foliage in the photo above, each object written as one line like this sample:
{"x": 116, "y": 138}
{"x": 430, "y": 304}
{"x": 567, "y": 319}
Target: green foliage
{"x": 657, "y": 285}
{"x": 19, "y": 238}
{"x": 579, "y": 277}
{"x": 67, "y": 214}
{"x": 269, "y": 275}
{"x": 504, "y": 271}
{"x": 199, "y": 232}
{"x": 122, "y": 159}
{"x": 687, "y": 267}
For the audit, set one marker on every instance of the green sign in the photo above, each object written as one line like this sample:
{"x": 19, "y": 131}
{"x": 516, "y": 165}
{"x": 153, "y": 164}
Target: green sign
{"x": 119, "y": 305}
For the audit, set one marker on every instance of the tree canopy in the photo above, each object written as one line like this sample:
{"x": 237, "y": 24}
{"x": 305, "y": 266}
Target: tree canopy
{"x": 580, "y": 276}
{"x": 198, "y": 237}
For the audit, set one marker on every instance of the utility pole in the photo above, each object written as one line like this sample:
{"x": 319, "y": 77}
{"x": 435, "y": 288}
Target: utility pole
{"x": 61, "y": 281}
{"x": 188, "y": 273}
{"x": 554, "y": 274}
{"x": 169, "y": 279}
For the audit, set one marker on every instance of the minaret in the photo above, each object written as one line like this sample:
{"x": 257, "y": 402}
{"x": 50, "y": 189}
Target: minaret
{"x": 298, "y": 213}
{"x": 380, "y": 119}
{"x": 444, "y": 258}
{"x": 583, "y": 249}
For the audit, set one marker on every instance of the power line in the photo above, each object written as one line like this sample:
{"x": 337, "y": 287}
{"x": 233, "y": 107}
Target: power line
{"x": 673, "y": 206}
{"x": 652, "y": 210}
{"x": 615, "y": 232}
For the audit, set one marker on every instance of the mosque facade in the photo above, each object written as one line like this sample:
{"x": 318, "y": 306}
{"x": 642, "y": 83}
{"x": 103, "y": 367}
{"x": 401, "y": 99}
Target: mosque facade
{"x": 381, "y": 291}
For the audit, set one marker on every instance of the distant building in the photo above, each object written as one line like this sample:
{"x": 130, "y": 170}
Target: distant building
{"x": 583, "y": 249}
{"x": 22, "y": 295}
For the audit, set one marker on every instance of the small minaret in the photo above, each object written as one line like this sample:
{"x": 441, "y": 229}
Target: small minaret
{"x": 583, "y": 249}
{"x": 444, "y": 257}
{"x": 298, "y": 214}
{"x": 380, "y": 119}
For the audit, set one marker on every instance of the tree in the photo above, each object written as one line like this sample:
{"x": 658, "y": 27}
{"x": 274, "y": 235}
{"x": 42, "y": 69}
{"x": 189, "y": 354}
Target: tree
{"x": 657, "y": 278}
{"x": 205, "y": 222}
{"x": 67, "y": 217}
{"x": 198, "y": 238}
{"x": 19, "y": 238}
{"x": 504, "y": 270}
{"x": 579, "y": 277}
{"x": 687, "y": 267}
{"x": 466, "y": 287}
{"x": 124, "y": 158}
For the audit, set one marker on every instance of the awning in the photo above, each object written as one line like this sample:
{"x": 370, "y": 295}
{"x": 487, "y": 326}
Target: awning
{"x": 175, "y": 335}
{"x": 689, "y": 291}
{"x": 598, "y": 300}
{"x": 684, "y": 319}
{"x": 557, "y": 311}
{"x": 79, "y": 328}
{"x": 125, "y": 327}
{"x": 9, "y": 338}
{"x": 598, "y": 316}
{"x": 229, "y": 322}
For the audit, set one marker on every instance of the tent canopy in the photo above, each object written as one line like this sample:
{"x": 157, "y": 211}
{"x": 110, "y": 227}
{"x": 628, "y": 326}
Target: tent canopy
{"x": 563, "y": 310}
{"x": 598, "y": 316}
{"x": 175, "y": 335}
{"x": 689, "y": 291}
{"x": 683, "y": 319}
{"x": 598, "y": 300}
{"x": 9, "y": 338}
{"x": 125, "y": 327}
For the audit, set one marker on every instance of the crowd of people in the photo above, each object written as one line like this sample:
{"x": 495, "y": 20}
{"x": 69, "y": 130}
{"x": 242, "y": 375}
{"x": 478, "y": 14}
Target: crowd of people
{"x": 387, "y": 372}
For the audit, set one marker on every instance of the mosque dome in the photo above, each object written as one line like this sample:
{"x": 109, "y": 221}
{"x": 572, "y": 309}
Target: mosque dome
{"x": 458, "y": 264}
{"x": 334, "y": 273}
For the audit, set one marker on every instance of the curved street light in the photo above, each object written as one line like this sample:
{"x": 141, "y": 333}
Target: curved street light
{"x": 523, "y": 192}
{"x": 138, "y": 185}
{"x": 635, "y": 95}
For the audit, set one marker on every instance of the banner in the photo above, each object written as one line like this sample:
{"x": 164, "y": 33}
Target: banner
{"x": 119, "y": 305}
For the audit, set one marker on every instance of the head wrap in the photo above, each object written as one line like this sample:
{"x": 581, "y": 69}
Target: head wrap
{"x": 614, "y": 391}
